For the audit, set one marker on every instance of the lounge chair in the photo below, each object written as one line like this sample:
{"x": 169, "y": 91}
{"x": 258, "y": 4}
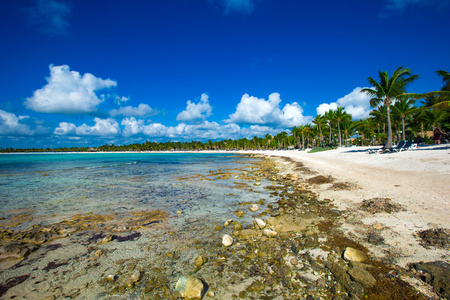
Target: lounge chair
{"x": 410, "y": 145}
{"x": 398, "y": 148}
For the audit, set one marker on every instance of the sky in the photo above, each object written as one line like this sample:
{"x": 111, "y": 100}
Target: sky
{"x": 81, "y": 73}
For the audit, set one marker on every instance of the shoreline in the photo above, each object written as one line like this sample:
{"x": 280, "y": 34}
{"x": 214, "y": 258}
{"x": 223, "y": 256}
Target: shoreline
{"x": 298, "y": 249}
{"x": 416, "y": 180}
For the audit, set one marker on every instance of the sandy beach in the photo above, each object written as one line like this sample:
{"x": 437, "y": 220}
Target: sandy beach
{"x": 417, "y": 180}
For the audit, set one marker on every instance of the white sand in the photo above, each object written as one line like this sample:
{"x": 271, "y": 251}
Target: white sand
{"x": 419, "y": 180}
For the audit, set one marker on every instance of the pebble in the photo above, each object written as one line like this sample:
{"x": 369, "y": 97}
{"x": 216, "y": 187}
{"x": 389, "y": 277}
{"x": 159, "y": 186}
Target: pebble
{"x": 227, "y": 240}
{"x": 259, "y": 223}
{"x": 351, "y": 254}
{"x": 190, "y": 287}
{"x": 254, "y": 207}
{"x": 270, "y": 233}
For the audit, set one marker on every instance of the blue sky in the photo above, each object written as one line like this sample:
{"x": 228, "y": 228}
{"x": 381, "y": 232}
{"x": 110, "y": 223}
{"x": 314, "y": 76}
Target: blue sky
{"x": 87, "y": 73}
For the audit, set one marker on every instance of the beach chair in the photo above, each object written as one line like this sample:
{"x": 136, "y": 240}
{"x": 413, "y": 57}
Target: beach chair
{"x": 374, "y": 151}
{"x": 410, "y": 145}
{"x": 399, "y": 147}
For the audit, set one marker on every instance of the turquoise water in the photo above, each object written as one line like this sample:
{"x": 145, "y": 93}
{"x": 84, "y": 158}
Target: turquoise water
{"x": 60, "y": 185}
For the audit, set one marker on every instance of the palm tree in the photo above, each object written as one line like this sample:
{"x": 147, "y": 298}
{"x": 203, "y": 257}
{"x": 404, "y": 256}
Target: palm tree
{"x": 404, "y": 108}
{"x": 388, "y": 90}
{"x": 329, "y": 116}
{"x": 320, "y": 122}
{"x": 434, "y": 117}
{"x": 340, "y": 115}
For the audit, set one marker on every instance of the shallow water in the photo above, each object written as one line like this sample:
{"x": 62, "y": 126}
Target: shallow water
{"x": 65, "y": 184}
{"x": 198, "y": 192}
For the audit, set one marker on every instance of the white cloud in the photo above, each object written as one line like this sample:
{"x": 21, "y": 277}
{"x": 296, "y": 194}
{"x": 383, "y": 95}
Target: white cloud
{"x": 142, "y": 111}
{"x": 132, "y": 126}
{"x": 196, "y": 112}
{"x": 49, "y": 16}
{"x": 356, "y": 103}
{"x": 119, "y": 100}
{"x": 252, "y": 110}
{"x": 102, "y": 127}
{"x": 67, "y": 92}
{"x": 10, "y": 124}
{"x": 65, "y": 129}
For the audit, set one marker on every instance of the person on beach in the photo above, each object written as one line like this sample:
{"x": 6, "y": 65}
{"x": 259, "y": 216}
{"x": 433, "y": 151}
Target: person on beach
{"x": 436, "y": 135}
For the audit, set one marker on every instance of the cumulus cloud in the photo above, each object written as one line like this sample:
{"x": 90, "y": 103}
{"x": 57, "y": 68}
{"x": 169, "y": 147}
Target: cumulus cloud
{"x": 132, "y": 126}
{"x": 65, "y": 128}
{"x": 253, "y": 110}
{"x": 102, "y": 127}
{"x": 142, "y": 111}
{"x": 10, "y": 124}
{"x": 67, "y": 92}
{"x": 196, "y": 112}
{"x": 356, "y": 103}
{"x": 50, "y": 17}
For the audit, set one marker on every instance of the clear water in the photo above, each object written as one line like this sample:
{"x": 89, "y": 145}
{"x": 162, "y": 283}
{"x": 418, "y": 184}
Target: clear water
{"x": 59, "y": 185}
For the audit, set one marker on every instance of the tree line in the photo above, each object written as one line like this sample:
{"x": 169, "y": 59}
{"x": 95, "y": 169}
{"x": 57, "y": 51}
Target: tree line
{"x": 396, "y": 116}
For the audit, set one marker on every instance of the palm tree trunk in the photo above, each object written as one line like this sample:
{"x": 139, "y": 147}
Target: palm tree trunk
{"x": 403, "y": 127}
{"x": 389, "y": 137}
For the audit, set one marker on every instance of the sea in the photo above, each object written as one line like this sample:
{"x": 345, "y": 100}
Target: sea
{"x": 198, "y": 192}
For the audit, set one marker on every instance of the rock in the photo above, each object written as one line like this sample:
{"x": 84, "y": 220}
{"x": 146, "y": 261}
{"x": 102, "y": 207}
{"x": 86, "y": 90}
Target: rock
{"x": 362, "y": 276}
{"x": 351, "y": 254}
{"x": 98, "y": 253}
{"x": 136, "y": 276}
{"x": 237, "y": 226}
{"x": 259, "y": 223}
{"x": 270, "y": 233}
{"x": 290, "y": 176}
{"x": 179, "y": 212}
{"x": 437, "y": 273}
{"x": 106, "y": 239}
{"x": 254, "y": 207}
{"x": 228, "y": 222}
{"x": 210, "y": 294}
{"x": 294, "y": 261}
{"x": 227, "y": 240}
{"x": 190, "y": 287}
{"x": 245, "y": 233}
{"x": 239, "y": 213}
{"x": 354, "y": 289}
{"x": 297, "y": 223}
{"x": 218, "y": 228}
{"x": 111, "y": 278}
{"x": 200, "y": 261}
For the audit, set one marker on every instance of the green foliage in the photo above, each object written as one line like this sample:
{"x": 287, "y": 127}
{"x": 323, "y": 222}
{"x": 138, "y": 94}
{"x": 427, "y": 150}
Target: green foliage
{"x": 319, "y": 149}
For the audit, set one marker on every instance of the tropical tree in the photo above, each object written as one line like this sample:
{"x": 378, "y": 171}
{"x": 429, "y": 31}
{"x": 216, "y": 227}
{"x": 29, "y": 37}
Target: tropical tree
{"x": 329, "y": 116}
{"x": 389, "y": 89}
{"x": 320, "y": 122}
{"x": 340, "y": 115}
{"x": 404, "y": 108}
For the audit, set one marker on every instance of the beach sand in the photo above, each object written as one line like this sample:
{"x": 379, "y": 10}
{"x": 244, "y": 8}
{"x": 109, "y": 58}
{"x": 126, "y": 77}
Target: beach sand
{"x": 418, "y": 180}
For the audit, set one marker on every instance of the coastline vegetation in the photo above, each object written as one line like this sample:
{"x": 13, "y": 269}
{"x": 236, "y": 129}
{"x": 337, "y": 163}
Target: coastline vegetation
{"x": 396, "y": 116}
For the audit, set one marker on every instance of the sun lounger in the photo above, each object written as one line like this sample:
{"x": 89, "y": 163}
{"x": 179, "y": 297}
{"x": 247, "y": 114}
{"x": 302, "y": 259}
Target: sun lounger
{"x": 410, "y": 145}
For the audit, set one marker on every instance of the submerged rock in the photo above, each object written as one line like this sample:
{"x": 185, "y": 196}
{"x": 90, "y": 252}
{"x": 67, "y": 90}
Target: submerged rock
{"x": 227, "y": 240}
{"x": 200, "y": 261}
{"x": 270, "y": 233}
{"x": 259, "y": 223}
{"x": 190, "y": 287}
{"x": 254, "y": 207}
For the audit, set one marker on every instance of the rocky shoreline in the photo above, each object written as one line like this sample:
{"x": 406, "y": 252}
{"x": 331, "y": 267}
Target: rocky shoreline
{"x": 294, "y": 249}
